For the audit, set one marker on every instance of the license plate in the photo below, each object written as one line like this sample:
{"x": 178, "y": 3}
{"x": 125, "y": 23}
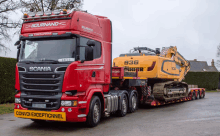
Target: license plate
{"x": 43, "y": 115}
{"x": 38, "y": 105}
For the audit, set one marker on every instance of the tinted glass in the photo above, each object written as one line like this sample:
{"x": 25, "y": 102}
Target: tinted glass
{"x": 61, "y": 49}
{"x": 96, "y": 49}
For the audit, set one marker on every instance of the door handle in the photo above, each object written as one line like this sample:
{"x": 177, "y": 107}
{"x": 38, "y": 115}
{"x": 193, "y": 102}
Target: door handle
{"x": 93, "y": 74}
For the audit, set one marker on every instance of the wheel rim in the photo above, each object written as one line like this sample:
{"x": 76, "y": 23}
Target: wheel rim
{"x": 124, "y": 106}
{"x": 134, "y": 102}
{"x": 194, "y": 96}
{"x": 96, "y": 113}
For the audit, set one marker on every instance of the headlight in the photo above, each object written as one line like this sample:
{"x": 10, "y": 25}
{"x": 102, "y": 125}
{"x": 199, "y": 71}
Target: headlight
{"x": 17, "y": 100}
{"x": 68, "y": 103}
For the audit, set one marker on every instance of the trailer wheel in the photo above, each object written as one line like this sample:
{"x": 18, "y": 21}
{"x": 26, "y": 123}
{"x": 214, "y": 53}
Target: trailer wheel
{"x": 134, "y": 103}
{"x": 94, "y": 115}
{"x": 124, "y": 106}
{"x": 202, "y": 95}
{"x": 197, "y": 96}
{"x": 193, "y": 95}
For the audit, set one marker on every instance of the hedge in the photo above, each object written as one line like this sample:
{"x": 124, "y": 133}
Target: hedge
{"x": 208, "y": 80}
{"x": 7, "y": 79}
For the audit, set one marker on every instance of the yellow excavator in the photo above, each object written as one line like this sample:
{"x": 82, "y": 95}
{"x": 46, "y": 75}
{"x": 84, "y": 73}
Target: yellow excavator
{"x": 163, "y": 69}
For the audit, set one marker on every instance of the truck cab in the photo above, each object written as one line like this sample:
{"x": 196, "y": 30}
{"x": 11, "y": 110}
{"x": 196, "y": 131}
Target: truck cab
{"x": 64, "y": 58}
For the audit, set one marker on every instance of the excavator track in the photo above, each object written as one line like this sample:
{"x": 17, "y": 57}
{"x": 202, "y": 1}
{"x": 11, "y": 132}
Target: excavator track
{"x": 170, "y": 90}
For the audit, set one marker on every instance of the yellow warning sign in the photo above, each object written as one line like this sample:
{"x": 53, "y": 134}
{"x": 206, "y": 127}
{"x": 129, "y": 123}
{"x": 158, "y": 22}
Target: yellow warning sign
{"x": 44, "y": 115}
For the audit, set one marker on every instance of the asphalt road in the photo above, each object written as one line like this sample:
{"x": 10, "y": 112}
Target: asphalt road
{"x": 200, "y": 117}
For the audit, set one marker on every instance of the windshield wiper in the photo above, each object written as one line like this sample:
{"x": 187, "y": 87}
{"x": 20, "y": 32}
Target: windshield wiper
{"x": 49, "y": 60}
{"x": 29, "y": 61}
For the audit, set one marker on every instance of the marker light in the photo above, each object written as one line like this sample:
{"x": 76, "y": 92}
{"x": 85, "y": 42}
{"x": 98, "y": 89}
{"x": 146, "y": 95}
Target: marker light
{"x": 40, "y": 13}
{"x": 48, "y": 13}
{"x": 32, "y": 14}
{"x": 56, "y": 12}
{"x": 64, "y": 11}
{"x": 69, "y": 103}
{"x": 25, "y": 15}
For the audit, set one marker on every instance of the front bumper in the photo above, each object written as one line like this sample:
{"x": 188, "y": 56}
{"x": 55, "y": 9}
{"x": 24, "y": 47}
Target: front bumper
{"x": 72, "y": 114}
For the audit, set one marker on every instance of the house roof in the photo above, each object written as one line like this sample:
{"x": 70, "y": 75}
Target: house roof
{"x": 201, "y": 66}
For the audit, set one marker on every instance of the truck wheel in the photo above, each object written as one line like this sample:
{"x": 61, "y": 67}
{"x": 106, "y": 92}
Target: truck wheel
{"x": 37, "y": 121}
{"x": 94, "y": 115}
{"x": 134, "y": 103}
{"x": 193, "y": 95}
{"x": 124, "y": 106}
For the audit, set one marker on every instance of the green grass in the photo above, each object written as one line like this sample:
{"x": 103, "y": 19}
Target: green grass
{"x": 6, "y": 108}
{"x": 211, "y": 91}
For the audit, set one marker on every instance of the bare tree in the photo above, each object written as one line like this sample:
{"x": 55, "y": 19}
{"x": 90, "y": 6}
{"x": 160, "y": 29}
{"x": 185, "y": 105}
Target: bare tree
{"x": 6, "y": 7}
{"x": 44, "y": 5}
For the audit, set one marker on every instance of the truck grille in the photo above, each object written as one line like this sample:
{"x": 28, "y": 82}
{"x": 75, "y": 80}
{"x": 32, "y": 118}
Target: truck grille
{"x": 41, "y": 93}
{"x": 41, "y": 81}
{"x": 41, "y": 75}
{"x": 41, "y": 88}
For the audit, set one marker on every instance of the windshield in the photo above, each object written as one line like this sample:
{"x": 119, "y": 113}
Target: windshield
{"x": 60, "y": 50}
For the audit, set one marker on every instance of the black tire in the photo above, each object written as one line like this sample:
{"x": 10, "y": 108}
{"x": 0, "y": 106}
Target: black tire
{"x": 124, "y": 106}
{"x": 93, "y": 118}
{"x": 193, "y": 95}
{"x": 200, "y": 95}
{"x": 134, "y": 103}
{"x": 197, "y": 96}
{"x": 37, "y": 121}
{"x": 203, "y": 94}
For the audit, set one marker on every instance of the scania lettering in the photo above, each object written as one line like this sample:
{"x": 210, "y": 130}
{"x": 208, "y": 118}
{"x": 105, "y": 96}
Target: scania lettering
{"x": 39, "y": 68}
{"x": 64, "y": 72}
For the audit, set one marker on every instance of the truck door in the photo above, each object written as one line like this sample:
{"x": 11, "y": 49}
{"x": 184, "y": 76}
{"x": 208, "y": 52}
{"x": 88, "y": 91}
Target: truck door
{"x": 90, "y": 72}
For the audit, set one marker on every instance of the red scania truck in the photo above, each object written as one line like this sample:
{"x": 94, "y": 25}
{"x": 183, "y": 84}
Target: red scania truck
{"x": 64, "y": 71}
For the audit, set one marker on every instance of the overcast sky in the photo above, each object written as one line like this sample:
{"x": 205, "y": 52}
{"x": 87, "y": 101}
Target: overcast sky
{"x": 191, "y": 25}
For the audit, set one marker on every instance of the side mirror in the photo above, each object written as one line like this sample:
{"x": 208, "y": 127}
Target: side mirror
{"x": 18, "y": 47}
{"x": 17, "y": 43}
{"x": 91, "y": 43}
{"x": 88, "y": 53}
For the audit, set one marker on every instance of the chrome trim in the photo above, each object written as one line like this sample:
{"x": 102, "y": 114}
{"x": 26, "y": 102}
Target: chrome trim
{"x": 80, "y": 102}
{"x": 22, "y": 71}
{"x": 92, "y": 65}
{"x": 81, "y": 115}
{"x": 111, "y": 103}
{"x": 59, "y": 67}
{"x": 90, "y": 68}
{"x": 103, "y": 55}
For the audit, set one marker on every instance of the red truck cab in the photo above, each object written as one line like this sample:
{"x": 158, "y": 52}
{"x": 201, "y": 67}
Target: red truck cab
{"x": 63, "y": 60}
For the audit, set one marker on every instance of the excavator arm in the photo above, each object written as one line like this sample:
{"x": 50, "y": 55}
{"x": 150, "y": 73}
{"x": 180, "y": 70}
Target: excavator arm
{"x": 172, "y": 53}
